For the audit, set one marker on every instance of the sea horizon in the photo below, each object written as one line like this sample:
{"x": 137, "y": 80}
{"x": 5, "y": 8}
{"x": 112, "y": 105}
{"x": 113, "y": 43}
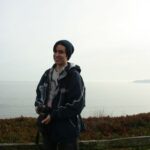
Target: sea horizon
{"x": 102, "y": 98}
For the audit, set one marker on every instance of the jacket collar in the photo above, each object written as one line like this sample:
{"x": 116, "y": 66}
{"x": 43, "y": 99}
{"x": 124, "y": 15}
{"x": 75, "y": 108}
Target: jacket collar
{"x": 64, "y": 73}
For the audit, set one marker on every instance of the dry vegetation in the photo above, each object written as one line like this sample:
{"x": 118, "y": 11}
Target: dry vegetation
{"x": 23, "y": 129}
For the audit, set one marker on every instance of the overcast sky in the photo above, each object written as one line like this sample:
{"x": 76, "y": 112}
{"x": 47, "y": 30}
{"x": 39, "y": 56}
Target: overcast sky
{"x": 111, "y": 37}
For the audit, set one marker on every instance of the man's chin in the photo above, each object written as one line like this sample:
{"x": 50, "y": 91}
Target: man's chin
{"x": 58, "y": 63}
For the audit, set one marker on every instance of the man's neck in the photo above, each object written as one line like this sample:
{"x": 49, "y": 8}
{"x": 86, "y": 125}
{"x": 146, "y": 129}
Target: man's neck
{"x": 59, "y": 68}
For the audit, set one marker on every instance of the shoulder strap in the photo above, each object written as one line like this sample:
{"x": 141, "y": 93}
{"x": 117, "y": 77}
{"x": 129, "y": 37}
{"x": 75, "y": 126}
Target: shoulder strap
{"x": 37, "y": 140}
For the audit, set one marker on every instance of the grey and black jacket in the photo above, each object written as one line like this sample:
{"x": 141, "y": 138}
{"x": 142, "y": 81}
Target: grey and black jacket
{"x": 68, "y": 102}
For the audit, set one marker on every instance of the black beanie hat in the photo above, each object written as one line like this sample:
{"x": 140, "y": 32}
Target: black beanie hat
{"x": 68, "y": 45}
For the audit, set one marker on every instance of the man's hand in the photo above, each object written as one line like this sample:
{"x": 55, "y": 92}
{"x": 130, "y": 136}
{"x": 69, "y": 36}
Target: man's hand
{"x": 47, "y": 119}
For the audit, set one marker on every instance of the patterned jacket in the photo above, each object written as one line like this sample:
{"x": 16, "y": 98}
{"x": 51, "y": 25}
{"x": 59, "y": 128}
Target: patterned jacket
{"x": 68, "y": 102}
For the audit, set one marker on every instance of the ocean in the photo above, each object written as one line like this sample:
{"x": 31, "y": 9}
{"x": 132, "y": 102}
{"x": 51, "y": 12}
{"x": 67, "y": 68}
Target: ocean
{"x": 102, "y": 99}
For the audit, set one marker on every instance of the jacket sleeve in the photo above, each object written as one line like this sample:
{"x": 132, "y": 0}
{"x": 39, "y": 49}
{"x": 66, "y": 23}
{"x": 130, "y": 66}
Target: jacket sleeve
{"x": 75, "y": 99}
{"x": 41, "y": 90}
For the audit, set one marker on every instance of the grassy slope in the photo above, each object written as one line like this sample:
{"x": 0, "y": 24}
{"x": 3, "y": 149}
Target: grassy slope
{"x": 24, "y": 129}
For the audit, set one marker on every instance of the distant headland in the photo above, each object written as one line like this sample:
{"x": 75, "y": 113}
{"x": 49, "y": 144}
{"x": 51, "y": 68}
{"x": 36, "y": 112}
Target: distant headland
{"x": 142, "y": 81}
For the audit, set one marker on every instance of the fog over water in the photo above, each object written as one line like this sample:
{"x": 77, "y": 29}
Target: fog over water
{"x": 102, "y": 98}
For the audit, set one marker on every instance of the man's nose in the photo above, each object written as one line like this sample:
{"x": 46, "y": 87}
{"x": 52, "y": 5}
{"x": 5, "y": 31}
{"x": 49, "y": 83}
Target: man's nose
{"x": 56, "y": 53}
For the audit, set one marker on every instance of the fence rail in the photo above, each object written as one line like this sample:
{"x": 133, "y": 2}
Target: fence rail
{"x": 140, "y": 143}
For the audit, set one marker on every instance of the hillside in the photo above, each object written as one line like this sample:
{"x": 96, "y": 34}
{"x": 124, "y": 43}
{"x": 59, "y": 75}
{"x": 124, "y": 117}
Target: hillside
{"x": 24, "y": 129}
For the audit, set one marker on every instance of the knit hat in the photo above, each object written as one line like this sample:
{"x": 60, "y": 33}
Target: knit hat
{"x": 68, "y": 45}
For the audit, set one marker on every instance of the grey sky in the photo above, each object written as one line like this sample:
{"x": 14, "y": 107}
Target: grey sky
{"x": 111, "y": 37}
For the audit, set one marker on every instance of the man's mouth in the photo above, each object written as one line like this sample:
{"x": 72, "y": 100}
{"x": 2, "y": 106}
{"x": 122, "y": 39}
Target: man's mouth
{"x": 57, "y": 59}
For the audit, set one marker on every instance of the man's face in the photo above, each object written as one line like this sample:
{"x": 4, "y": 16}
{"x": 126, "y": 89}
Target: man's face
{"x": 60, "y": 56}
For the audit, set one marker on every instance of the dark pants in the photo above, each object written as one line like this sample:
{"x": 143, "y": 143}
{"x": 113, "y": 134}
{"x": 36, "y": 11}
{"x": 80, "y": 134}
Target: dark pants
{"x": 72, "y": 145}
{"x": 49, "y": 144}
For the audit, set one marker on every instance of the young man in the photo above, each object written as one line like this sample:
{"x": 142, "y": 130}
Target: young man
{"x": 60, "y": 100}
